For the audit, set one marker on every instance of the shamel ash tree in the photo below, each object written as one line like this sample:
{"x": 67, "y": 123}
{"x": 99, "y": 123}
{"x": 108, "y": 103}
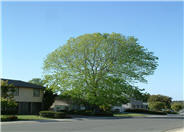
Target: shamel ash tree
{"x": 99, "y": 68}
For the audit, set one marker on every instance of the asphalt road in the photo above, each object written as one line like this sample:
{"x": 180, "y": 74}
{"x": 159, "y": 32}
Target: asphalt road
{"x": 94, "y": 125}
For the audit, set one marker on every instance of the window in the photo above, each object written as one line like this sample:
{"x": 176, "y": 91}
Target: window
{"x": 36, "y": 92}
{"x": 16, "y": 92}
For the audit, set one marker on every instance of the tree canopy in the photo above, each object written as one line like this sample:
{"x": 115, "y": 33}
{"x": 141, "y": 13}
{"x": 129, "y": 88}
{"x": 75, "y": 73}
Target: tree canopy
{"x": 177, "y": 106}
{"x": 37, "y": 81}
{"x": 161, "y": 98}
{"x": 99, "y": 68}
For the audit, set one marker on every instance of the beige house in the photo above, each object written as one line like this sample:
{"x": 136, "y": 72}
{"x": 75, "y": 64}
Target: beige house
{"x": 65, "y": 105}
{"x": 133, "y": 104}
{"x": 28, "y": 96}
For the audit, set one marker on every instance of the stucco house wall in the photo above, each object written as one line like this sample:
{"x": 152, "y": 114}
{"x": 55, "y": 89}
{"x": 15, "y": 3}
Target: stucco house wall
{"x": 26, "y": 95}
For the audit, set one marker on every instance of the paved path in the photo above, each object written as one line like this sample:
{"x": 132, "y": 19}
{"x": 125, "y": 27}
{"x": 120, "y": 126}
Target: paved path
{"x": 95, "y": 125}
{"x": 176, "y": 130}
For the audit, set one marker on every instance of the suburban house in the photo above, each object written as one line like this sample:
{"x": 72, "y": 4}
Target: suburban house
{"x": 133, "y": 104}
{"x": 27, "y": 95}
{"x": 65, "y": 105}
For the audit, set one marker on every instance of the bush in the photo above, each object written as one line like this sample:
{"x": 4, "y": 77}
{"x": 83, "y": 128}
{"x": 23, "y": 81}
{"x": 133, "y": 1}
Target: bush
{"x": 90, "y": 113}
{"x": 8, "y": 106}
{"x": 60, "y": 115}
{"x": 145, "y": 111}
{"x": 49, "y": 114}
{"x": 80, "y": 112}
{"x": 52, "y": 114}
{"x": 8, "y": 118}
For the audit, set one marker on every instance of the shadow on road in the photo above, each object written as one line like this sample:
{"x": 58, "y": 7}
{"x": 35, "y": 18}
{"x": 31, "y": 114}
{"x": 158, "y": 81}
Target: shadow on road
{"x": 128, "y": 117}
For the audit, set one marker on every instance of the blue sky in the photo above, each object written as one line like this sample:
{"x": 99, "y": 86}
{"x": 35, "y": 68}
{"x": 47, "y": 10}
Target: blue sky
{"x": 31, "y": 30}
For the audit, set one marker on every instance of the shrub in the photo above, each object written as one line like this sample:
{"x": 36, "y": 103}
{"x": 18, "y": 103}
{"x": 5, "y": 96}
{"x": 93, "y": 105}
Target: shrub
{"x": 84, "y": 112}
{"x": 8, "y": 106}
{"x": 8, "y": 118}
{"x": 90, "y": 113}
{"x": 145, "y": 111}
{"x": 52, "y": 114}
{"x": 60, "y": 115}
{"x": 80, "y": 112}
{"x": 157, "y": 106}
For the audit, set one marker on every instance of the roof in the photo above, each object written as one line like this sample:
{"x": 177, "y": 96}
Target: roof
{"x": 18, "y": 83}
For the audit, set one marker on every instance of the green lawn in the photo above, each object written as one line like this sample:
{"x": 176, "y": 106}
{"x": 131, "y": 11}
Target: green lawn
{"x": 27, "y": 117}
{"x": 31, "y": 117}
{"x": 36, "y": 117}
{"x": 129, "y": 115}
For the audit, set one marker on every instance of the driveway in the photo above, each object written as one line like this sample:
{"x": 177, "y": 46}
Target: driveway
{"x": 95, "y": 125}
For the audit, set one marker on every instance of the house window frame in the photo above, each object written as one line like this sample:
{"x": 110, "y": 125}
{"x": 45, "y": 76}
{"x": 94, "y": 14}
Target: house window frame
{"x": 34, "y": 94}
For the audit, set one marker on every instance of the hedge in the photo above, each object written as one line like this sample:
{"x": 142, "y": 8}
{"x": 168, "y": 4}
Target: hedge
{"x": 103, "y": 113}
{"x": 90, "y": 113}
{"x": 8, "y": 118}
{"x": 146, "y": 111}
{"x": 80, "y": 112}
{"x": 52, "y": 114}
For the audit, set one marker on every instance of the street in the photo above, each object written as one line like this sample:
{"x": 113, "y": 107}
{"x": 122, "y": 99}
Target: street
{"x": 95, "y": 125}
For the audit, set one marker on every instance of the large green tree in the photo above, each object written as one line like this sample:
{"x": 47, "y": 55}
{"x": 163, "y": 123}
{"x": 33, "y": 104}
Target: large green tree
{"x": 99, "y": 67}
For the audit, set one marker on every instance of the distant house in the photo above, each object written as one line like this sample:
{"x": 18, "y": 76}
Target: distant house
{"x": 65, "y": 105}
{"x": 28, "y": 96}
{"x": 133, "y": 104}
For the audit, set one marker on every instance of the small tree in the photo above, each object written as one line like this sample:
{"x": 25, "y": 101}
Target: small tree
{"x": 177, "y": 106}
{"x": 161, "y": 98}
{"x": 48, "y": 98}
{"x": 48, "y": 95}
{"x": 156, "y": 106}
{"x": 8, "y": 104}
{"x": 7, "y": 90}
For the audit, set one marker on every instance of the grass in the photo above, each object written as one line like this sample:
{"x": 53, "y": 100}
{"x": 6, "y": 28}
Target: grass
{"x": 27, "y": 117}
{"x": 31, "y": 117}
{"x": 8, "y": 118}
{"x": 129, "y": 115}
{"x": 37, "y": 117}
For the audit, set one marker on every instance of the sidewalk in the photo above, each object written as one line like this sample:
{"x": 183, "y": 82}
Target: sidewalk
{"x": 176, "y": 130}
